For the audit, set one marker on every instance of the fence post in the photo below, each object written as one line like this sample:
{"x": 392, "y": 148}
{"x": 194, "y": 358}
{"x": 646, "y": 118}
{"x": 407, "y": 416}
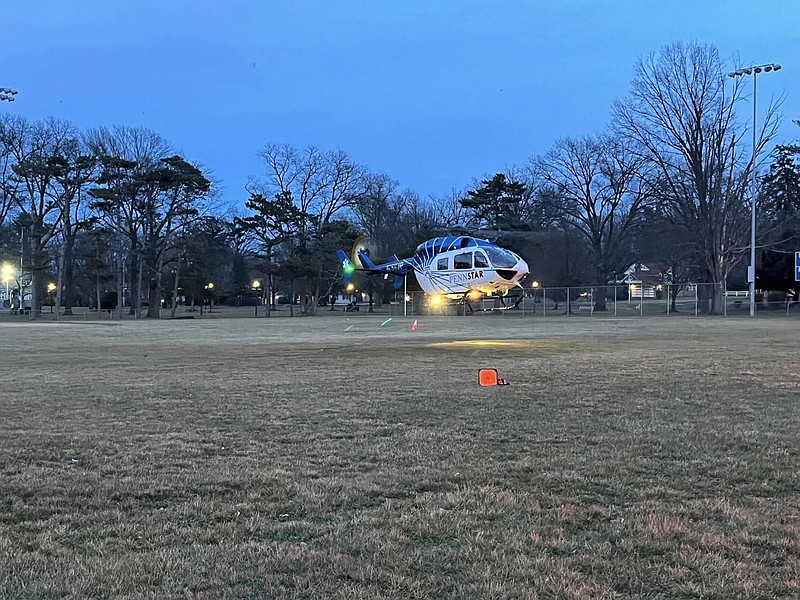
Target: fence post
{"x": 641, "y": 300}
{"x": 544, "y": 302}
{"x": 696, "y": 288}
{"x": 615, "y": 299}
{"x": 569, "y": 302}
{"x": 668, "y": 298}
{"x": 725, "y": 298}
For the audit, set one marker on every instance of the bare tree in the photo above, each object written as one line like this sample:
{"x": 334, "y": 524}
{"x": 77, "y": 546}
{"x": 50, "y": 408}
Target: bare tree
{"x": 448, "y": 210}
{"x": 322, "y": 184}
{"x": 75, "y": 169}
{"x": 602, "y": 192}
{"x": 377, "y": 211}
{"x": 126, "y": 155}
{"x": 6, "y": 172}
{"x": 682, "y": 120}
{"x": 35, "y": 149}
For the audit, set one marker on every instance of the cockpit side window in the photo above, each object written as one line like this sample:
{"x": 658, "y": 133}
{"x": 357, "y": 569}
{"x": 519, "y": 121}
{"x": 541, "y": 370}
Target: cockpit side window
{"x": 441, "y": 264}
{"x": 481, "y": 262}
{"x": 463, "y": 261}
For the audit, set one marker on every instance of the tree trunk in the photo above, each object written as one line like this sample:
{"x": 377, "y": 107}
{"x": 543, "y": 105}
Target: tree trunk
{"x": 66, "y": 286}
{"x": 120, "y": 285}
{"x": 60, "y": 280}
{"x": 136, "y": 302}
{"x": 37, "y": 274}
{"x": 120, "y": 269}
{"x": 600, "y": 298}
{"x": 175, "y": 291}
{"x": 704, "y": 299}
{"x": 97, "y": 291}
{"x": 718, "y": 299}
{"x": 371, "y": 292}
{"x": 154, "y": 291}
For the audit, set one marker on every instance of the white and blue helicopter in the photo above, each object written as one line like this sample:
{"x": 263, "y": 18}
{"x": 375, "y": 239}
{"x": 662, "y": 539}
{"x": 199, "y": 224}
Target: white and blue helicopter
{"x": 459, "y": 267}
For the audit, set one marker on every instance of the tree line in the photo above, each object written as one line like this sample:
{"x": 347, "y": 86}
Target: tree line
{"x": 116, "y": 218}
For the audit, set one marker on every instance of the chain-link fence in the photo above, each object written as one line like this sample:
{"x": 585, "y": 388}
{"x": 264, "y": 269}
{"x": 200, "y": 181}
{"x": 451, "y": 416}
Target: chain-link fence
{"x": 541, "y": 302}
{"x": 605, "y": 301}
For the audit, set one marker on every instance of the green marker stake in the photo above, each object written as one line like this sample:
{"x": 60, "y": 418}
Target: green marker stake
{"x": 386, "y": 321}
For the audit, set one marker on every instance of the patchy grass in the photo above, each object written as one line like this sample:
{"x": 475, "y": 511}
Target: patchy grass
{"x": 338, "y": 458}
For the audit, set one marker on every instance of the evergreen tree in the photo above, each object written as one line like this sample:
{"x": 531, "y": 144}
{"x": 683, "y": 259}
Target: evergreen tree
{"x": 491, "y": 202}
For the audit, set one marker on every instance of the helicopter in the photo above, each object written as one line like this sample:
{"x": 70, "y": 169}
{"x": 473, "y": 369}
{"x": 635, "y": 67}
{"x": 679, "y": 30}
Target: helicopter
{"x": 461, "y": 267}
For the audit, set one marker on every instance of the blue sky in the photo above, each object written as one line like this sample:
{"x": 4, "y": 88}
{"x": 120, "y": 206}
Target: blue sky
{"x": 433, "y": 93}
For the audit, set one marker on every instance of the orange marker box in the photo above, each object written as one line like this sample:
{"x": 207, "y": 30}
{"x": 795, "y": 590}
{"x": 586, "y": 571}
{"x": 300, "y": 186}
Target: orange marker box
{"x": 487, "y": 377}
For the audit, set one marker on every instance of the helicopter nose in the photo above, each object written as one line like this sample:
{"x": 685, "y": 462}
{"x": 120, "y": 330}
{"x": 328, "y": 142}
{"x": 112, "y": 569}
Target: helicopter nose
{"x": 516, "y": 274}
{"x": 521, "y": 269}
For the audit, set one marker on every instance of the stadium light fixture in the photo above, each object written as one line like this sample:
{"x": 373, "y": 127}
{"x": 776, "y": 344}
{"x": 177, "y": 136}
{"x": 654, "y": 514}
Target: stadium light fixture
{"x": 751, "y": 271}
{"x": 7, "y": 94}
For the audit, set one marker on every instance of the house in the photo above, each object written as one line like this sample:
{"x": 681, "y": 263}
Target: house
{"x": 645, "y": 280}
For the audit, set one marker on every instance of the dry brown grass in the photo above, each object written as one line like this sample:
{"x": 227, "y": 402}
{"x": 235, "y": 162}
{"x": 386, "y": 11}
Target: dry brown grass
{"x": 338, "y": 458}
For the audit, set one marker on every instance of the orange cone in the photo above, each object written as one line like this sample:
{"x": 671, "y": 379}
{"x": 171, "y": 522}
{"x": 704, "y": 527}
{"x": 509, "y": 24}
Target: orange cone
{"x": 414, "y": 325}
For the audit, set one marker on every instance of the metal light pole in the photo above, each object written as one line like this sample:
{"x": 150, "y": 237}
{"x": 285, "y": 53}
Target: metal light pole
{"x": 7, "y": 94}
{"x": 751, "y": 271}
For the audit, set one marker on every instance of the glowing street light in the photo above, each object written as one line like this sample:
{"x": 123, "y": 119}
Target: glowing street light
{"x": 751, "y": 272}
{"x": 51, "y": 287}
{"x": 350, "y": 287}
{"x": 535, "y": 284}
{"x": 7, "y": 273}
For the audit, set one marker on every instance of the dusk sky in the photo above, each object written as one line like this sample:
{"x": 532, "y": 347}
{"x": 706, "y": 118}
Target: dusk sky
{"x": 432, "y": 93}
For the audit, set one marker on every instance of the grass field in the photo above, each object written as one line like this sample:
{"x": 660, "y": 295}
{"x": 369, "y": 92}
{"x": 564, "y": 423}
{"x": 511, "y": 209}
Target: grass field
{"x": 341, "y": 458}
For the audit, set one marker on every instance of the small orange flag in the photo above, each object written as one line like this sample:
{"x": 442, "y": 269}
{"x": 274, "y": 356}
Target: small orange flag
{"x": 414, "y": 326}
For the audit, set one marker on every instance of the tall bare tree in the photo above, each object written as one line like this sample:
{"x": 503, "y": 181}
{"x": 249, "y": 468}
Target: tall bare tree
{"x": 126, "y": 155}
{"x": 75, "y": 169}
{"x": 322, "y": 184}
{"x": 682, "y": 119}
{"x": 599, "y": 182}
{"x": 35, "y": 149}
{"x": 6, "y": 172}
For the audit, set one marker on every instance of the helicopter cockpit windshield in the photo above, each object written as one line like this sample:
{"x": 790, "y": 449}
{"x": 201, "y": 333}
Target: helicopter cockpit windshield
{"x": 501, "y": 259}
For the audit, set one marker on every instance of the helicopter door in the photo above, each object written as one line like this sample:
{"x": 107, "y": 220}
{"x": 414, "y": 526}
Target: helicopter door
{"x": 481, "y": 262}
{"x": 462, "y": 261}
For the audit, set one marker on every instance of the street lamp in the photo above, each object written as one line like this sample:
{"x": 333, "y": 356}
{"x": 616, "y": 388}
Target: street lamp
{"x": 256, "y": 287}
{"x": 7, "y": 94}
{"x": 51, "y": 287}
{"x": 751, "y": 271}
{"x": 7, "y": 273}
